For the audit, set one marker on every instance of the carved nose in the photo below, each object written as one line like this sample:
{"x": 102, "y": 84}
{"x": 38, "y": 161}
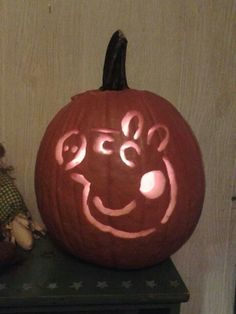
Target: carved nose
{"x": 152, "y": 184}
{"x": 78, "y": 151}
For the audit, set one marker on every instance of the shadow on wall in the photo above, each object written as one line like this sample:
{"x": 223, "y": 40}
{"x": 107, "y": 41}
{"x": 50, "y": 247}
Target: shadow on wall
{"x": 201, "y": 260}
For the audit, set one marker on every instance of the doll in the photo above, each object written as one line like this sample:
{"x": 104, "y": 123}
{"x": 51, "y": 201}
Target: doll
{"x": 16, "y": 223}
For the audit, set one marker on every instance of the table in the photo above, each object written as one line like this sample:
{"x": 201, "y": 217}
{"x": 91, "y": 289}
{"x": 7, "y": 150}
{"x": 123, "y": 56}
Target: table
{"x": 50, "y": 280}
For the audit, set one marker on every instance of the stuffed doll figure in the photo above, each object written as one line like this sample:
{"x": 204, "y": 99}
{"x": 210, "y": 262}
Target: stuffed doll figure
{"x": 16, "y": 223}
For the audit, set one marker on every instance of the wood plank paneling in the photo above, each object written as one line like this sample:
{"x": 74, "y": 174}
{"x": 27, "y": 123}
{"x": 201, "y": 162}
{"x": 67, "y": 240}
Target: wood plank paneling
{"x": 183, "y": 50}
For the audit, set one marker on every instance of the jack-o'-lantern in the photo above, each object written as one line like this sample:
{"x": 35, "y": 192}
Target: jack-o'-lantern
{"x": 119, "y": 176}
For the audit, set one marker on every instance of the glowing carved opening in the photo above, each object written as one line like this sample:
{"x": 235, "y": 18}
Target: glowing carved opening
{"x": 173, "y": 191}
{"x": 59, "y": 147}
{"x": 113, "y": 212}
{"x": 106, "y": 131}
{"x": 124, "y": 147}
{"x": 125, "y": 123}
{"x": 79, "y": 152}
{"x": 100, "y": 142}
{"x": 152, "y": 184}
{"x": 104, "y": 228}
{"x": 164, "y": 141}
{"x": 74, "y": 149}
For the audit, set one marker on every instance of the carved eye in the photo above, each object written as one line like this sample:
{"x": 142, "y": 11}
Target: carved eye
{"x": 124, "y": 150}
{"x": 102, "y": 144}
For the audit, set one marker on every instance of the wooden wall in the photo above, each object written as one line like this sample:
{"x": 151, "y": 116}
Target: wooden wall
{"x": 183, "y": 50}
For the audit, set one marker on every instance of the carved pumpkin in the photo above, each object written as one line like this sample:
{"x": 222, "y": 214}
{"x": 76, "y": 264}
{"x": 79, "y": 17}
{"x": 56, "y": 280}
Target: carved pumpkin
{"x": 119, "y": 176}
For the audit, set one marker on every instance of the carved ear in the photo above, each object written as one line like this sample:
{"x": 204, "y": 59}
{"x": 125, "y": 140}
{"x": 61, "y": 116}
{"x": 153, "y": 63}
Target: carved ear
{"x": 132, "y": 124}
{"x": 159, "y": 134}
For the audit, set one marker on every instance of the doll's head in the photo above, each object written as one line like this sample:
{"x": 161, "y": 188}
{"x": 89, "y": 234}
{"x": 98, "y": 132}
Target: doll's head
{"x": 2, "y": 151}
{"x": 3, "y": 167}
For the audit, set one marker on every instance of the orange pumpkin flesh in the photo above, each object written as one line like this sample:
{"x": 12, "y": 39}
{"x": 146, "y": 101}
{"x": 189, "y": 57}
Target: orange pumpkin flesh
{"x": 119, "y": 178}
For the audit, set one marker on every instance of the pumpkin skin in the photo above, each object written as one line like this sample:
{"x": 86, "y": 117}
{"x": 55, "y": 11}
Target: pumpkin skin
{"x": 119, "y": 178}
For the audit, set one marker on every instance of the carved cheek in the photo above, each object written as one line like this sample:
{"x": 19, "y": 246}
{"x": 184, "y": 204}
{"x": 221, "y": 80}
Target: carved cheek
{"x": 152, "y": 184}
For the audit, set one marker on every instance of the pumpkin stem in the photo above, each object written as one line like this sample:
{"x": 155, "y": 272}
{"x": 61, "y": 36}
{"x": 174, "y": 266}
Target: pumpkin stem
{"x": 114, "y": 76}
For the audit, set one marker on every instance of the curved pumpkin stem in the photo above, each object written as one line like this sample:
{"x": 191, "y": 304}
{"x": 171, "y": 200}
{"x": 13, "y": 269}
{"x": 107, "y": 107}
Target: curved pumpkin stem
{"x": 114, "y": 76}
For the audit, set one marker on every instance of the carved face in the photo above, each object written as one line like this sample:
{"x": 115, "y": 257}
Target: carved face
{"x": 151, "y": 183}
{"x": 119, "y": 178}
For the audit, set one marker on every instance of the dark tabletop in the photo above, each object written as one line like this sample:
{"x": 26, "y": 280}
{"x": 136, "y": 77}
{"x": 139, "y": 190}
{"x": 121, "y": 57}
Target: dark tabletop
{"x": 50, "y": 277}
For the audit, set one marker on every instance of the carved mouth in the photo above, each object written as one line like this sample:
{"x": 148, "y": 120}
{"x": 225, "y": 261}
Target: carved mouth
{"x": 105, "y": 228}
{"x": 113, "y": 212}
{"x": 79, "y": 178}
